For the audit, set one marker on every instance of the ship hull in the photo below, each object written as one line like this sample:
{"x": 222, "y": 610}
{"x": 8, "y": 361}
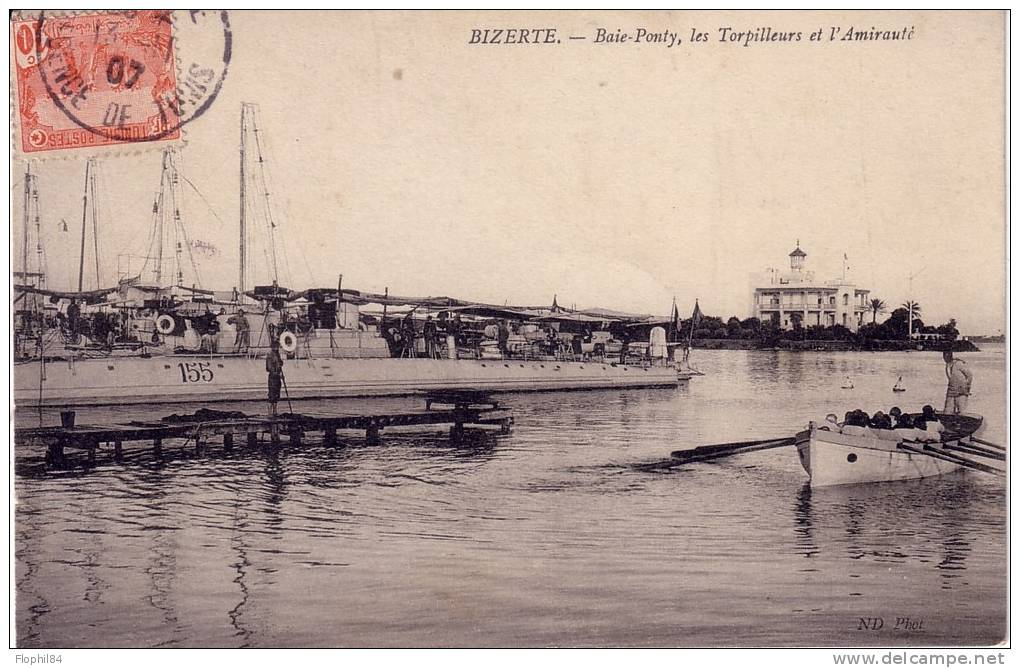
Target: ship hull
{"x": 204, "y": 378}
{"x": 832, "y": 458}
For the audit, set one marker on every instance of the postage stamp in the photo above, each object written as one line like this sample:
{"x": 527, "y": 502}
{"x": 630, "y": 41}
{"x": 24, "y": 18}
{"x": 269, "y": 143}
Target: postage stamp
{"x": 112, "y": 78}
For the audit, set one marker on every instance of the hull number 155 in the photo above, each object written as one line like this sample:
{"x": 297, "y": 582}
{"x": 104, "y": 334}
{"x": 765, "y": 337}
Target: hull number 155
{"x": 195, "y": 372}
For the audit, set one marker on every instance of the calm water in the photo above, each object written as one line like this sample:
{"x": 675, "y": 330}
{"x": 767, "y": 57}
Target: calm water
{"x": 551, "y": 536}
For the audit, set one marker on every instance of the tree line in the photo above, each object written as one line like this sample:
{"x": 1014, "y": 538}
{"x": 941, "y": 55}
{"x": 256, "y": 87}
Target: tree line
{"x": 894, "y": 328}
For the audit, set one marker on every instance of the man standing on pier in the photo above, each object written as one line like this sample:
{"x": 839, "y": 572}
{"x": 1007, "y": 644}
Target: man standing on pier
{"x": 274, "y": 367}
{"x": 958, "y": 389}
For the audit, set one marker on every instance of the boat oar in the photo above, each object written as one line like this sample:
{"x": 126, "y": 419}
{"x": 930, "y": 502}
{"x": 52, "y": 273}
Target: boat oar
{"x": 964, "y": 461}
{"x": 989, "y": 444}
{"x": 977, "y": 450}
{"x": 718, "y": 450}
{"x": 938, "y": 454}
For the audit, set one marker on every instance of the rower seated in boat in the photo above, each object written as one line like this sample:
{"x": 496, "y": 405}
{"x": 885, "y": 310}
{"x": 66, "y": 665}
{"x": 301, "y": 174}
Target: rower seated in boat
{"x": 928, "y": 425}
{"x": 856, "y": 423}
{"x": 880, "y": 421}
{"x": 831, "y": 424}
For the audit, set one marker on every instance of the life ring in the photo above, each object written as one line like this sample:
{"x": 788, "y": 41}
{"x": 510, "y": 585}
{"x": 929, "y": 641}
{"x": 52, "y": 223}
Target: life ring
{"x": 288, "y": 341}
{"x": 165, "y": 324}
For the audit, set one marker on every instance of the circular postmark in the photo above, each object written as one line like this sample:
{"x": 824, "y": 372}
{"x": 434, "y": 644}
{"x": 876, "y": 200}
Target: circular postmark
{"x": 116, "y": 74}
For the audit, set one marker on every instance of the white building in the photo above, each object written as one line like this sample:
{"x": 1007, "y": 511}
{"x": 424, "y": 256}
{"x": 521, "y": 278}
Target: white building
{"x": 785, "y": 296}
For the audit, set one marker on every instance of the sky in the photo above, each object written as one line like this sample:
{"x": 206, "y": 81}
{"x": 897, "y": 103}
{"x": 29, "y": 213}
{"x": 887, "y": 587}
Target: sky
{"x": 612, "y": 175}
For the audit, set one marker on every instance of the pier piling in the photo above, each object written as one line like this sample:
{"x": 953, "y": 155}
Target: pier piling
{"x": 466, "y": 412}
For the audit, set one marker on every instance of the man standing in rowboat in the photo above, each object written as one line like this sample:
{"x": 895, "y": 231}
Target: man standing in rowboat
{"x": 958, "y": 389}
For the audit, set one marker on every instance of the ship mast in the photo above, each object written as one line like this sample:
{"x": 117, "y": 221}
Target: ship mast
{"x": 84, "y": 219}
{"x": 258, "y": 192}
{"x": 24, "y": 243}
{"x": 168, "y": 203}
{"x": 241, "y": 250}
{"x": 89, "y": 204}
{"x": 31, "y": 277}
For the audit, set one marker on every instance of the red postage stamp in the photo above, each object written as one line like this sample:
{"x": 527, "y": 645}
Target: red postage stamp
{"x": 95, "y": 80}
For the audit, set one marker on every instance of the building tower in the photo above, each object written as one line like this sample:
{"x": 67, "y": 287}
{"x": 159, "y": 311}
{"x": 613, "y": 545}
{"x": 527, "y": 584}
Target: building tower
{"x": 797, "y": 258}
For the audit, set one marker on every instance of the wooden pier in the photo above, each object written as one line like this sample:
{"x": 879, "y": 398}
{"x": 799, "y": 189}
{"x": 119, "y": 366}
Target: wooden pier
{"x": 462, "y": 411}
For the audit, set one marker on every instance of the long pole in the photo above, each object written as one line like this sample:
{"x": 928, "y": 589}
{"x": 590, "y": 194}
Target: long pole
{"x": 84, "y": 214}
{"x": 241, "y": 250}
{"x": 95, "y": 224}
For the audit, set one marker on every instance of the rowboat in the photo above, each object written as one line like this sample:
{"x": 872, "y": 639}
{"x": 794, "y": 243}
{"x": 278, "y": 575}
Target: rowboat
{"x": 840, "y": 455}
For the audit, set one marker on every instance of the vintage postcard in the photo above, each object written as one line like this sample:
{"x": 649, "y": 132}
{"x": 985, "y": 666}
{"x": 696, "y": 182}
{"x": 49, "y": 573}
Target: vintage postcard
{"x": 680, "y": 329}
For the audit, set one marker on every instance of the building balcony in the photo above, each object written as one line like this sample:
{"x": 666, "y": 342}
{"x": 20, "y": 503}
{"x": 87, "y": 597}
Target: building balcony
{"x": 797, "y": 306}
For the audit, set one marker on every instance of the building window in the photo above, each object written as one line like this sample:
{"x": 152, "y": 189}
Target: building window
{"x": 846, "y": 300}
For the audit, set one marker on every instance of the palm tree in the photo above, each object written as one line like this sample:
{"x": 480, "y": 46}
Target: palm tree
{"x": 916, "y": 310}
{"x": 877, "y": 306}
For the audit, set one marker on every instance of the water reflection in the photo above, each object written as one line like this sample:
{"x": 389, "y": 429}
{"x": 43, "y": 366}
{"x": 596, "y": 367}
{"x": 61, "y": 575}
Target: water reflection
{"x": 240, "y": 567}
{"x": 803, "y": 525}
{"x": 28, "y": 566}
{"x": 892, "y": 522}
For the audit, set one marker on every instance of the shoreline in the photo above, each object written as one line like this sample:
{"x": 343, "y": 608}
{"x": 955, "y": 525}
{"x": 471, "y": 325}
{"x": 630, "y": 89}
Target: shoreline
{"x": 835, "y": 346}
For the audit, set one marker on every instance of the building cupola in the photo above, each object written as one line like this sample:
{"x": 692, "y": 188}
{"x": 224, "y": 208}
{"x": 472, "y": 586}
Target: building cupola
{"x": 797, "y": 258}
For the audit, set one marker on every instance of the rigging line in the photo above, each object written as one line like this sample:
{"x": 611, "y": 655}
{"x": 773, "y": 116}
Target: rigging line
{"x": 268, "y": 242}
{"x": 198, "y": 192}
{"x": 84, "y": 219}
{"x": 183, "y": 231}
{"x": 265, "y": 191}
{"x": 269, "y": 153}
{"x": 202, "y": 197}
{"x": 150, "y": 249}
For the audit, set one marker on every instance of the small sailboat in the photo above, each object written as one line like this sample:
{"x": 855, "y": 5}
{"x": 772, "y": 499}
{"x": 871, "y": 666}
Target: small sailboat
{"x": 848, "y": 383}
{"x": 898, "y": 387}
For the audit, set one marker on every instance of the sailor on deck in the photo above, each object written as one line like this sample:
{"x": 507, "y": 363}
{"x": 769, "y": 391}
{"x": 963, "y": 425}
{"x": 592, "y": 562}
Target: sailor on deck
{"x": 431, "y": 334}
{"x": 242, "y": 341}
